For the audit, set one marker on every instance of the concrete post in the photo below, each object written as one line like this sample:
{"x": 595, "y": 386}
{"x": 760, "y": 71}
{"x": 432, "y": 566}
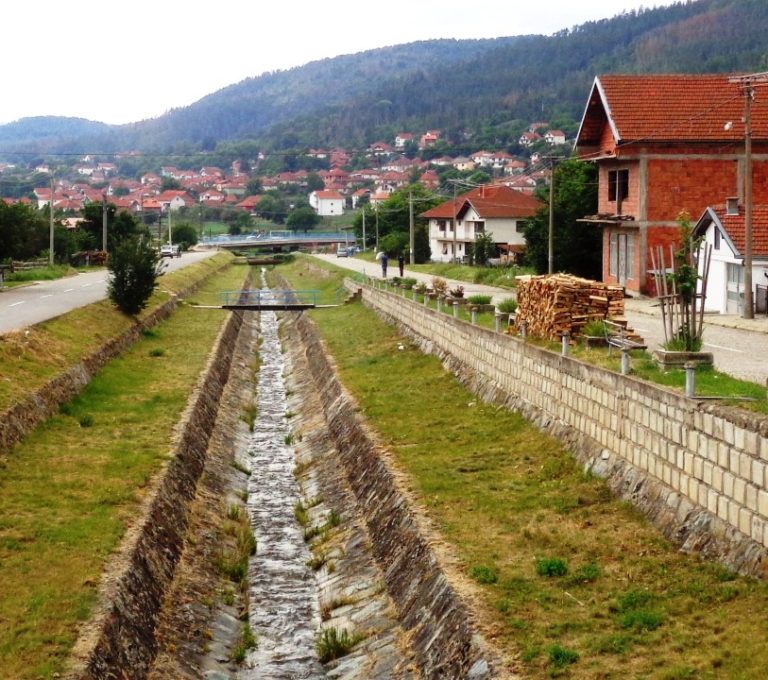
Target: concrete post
{"x": 566, "y": 340}
{"x": 455, "y": 310}
{"x": 690, "y": 378}
{"x": 524, "y": 330}
{"x": 426, "y": 300}
{"x": 439, "y": 303}
{"x": 625, "y": 362}
{"x": 497, "y": 322}
{"x": 413, "y": 293}
{"x": 473, "y": 315}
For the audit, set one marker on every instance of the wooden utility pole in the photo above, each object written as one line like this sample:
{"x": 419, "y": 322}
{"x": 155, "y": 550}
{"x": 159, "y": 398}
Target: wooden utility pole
{"x": 104, "y": 222}
{"x": 50, "y": 238}
{"x": 411, "y": 238}
{"x": 747, "y": 84}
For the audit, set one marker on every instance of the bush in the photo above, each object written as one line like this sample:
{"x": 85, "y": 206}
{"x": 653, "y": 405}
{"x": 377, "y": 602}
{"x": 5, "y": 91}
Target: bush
{"x": 440, "y": 286}
{"x": 133, "y": 274}
{"x": 480, "y": 299}
{"x": 594, "y": 329}
{"x": 560, "y": 657}
{"x": 457, "y": 292}
{"x": 485, "y": 575}
{"x": 551, "y": 566}
{"x": 332, "y": 644}
{"x": 507, "y": 306}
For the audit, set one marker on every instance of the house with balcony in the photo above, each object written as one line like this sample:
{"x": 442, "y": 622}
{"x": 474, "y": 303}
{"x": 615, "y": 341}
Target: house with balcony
{"x": 490, "y": 209}
{"x": 664, "y": 144}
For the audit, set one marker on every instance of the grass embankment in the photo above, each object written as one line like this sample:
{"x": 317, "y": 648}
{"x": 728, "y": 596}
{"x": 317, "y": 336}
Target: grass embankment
{"x": 574, "y": 583}
{"x": 70, "y": 488}
{"x": 31, "y": 358}
{"x": 57, "y": 271}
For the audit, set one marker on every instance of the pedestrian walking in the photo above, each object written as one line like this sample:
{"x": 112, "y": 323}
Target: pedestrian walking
{"x": 384, "y": 262}
{"x": 401, "y": 264}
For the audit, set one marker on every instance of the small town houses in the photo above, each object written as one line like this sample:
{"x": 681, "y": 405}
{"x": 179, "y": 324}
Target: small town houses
{"x": 665, "y": 144}
{"x": 496, "y": 210}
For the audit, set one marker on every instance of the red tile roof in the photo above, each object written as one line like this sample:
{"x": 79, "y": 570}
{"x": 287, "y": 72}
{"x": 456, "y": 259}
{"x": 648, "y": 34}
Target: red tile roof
{"x": 734, "y": 226}
{"x": 488, "y": 202}
{"x": 678, "y": 108}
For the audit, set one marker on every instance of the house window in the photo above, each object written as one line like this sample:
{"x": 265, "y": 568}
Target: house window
{"x": 717, "y": 239}
{"x": 613, "y": 265}
{"x": 618, "y": 185}
{"x": 441, "y": 225}
{"x": 479, "y": 227}
{"x": 519, "y": 227}
{"x": 621, "y": 262}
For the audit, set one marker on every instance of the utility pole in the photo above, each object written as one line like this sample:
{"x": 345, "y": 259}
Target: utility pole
{"x": 454, "y": 222}
{"x": 551, "y": 234}
{"x": 170, "y": 238}
{"x": 104, "y": 222}
{"x": 363, "y": 228}
{"x": 747, "y": 84}
{"x": 412, "y": 238}
{"x": 50, "y": 238}
{"x": 377, "y": 227}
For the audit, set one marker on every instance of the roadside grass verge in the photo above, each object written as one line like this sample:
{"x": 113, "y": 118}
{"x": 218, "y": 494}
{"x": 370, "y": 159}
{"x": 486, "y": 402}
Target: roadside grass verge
{"x": 574, "y": 583}
{"x": 31, "y": 358}
{"x": 69, "y": 490}
{"x": 57, "y": 271}
{"x": 491, "y": 276}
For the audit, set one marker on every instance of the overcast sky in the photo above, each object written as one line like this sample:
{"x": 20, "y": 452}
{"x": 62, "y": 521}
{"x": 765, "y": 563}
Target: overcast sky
{"x": 120, "y": 62}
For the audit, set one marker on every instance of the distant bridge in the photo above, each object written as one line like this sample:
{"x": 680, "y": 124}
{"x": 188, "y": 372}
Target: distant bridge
{"x": 278, "y": 300}
{"x": 277, "y": 240}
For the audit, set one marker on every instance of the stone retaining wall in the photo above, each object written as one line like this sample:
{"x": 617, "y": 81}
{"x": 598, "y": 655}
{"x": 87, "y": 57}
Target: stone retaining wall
{"x": 697, "y": 469}
{"x": 439, "y": 624}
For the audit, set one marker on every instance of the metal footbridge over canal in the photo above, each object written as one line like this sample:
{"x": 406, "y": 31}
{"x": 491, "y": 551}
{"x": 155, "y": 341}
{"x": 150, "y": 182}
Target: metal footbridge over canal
{"x": 279, "y": 240}
{"x": 277, "y": 300}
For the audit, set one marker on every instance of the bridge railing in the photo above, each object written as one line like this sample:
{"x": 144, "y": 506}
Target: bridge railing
{"x": 257, "y": 297}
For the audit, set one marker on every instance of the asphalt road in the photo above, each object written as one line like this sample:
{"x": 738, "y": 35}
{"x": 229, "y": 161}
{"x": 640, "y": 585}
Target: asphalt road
{"x": 28, "y": 305}
{"x": 739, "y": 348}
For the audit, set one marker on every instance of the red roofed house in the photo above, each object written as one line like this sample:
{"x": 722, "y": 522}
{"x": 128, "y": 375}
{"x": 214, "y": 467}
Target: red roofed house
{"x": 492, "y": 209}
{"x": 664, "y": 144}
{"x": 327, "y": 203}
{"x": 723, "y": 228}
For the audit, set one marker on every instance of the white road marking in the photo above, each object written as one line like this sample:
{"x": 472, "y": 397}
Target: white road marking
{"x": 727, "y": 349}
{"x": 69, "y": 290}
{"x": 42, "y": 297}
{"x": 85, "y": 285}
{"x": 16, "y": 304}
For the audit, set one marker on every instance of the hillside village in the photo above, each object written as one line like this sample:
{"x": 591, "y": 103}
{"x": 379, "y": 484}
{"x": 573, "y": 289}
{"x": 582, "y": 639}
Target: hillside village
{"x": 389, "y": 168}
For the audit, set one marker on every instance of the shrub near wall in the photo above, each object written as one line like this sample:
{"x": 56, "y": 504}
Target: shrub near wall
{"x": 697, "y": 469}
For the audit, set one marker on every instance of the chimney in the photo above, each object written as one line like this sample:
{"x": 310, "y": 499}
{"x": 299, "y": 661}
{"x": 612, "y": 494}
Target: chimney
{"x": 732, "y": 206}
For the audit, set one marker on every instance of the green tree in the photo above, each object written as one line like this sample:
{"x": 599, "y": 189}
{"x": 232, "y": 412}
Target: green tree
{"x": 23, "y": 231}
{"x": 577, "y": 246}
{"x": 314, "y": 182}
{"x": 272, "y": 207}
{"x": 254, "y": 186}
{"x": 170, "y": 183}
{"x": 120, "y": 225}
{"x": 302, "y": 218}
{"x": 483, "y": 248}
{"x": 185, "y": 235}
{"x": 133, "y": 274}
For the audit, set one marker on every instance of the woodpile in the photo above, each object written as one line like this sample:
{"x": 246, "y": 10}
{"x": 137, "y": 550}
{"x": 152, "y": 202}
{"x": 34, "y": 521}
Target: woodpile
{"x": 553, "y": 305}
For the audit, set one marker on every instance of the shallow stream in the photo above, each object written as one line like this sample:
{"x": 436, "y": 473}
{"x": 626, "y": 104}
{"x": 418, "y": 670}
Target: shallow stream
{"x": 284, "y": 611}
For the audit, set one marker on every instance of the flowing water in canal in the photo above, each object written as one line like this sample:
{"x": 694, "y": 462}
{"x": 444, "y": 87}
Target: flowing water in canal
{"x": 284, "y": 612}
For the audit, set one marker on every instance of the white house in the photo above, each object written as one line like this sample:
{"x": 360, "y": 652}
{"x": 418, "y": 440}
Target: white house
{"x": 327, "y": 203}
{"x": 554, "y": 137}
{"x": 723, "y": 228}
{"x": 491, "y": 209}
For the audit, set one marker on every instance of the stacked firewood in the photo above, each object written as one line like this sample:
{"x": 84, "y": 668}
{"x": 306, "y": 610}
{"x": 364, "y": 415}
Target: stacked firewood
{"x": 551, "y": 306}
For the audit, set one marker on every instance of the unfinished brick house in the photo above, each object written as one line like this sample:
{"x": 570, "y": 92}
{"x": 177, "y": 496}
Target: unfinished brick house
{"x": 664, "y": 144}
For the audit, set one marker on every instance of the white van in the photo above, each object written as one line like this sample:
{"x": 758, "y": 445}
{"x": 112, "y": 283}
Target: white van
{"x": 168, "y": 250}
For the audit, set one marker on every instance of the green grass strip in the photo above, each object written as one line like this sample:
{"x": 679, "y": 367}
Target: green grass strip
{"x": 68, "y": 491}
{"x": 29, "y": 360}
{"x": 573, "y": 581}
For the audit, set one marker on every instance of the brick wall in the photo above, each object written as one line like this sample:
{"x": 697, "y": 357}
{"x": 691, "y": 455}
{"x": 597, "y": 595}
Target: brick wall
{"x": 699, "y": 470}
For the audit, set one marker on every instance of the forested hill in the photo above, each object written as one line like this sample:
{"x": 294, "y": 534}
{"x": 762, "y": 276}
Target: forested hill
{"x": 485, "y": 87}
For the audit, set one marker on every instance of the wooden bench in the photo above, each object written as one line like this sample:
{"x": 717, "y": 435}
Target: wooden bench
{"x": 616, "y": 336}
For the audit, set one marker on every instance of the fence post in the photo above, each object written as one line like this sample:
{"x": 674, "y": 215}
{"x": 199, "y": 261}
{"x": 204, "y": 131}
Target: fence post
{"x": 524, "y": 330}
{"x": 439, "y": 303}
{"x": 690, "y": 378}
{"x": 566, "y": 339}
{"x": 455, "y": 309}
{"x": 625, "y": 361}
{"x": 473, "y": 315}
{"x": 497, "y": 322}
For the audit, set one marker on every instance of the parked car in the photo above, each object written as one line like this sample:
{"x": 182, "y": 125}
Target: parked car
{"x": 168, "y": 250}
{"x": 342, "y": 251}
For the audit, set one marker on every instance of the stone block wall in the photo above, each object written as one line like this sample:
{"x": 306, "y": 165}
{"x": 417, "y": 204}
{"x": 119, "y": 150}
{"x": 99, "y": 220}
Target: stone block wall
{"x": 699, "y": 470}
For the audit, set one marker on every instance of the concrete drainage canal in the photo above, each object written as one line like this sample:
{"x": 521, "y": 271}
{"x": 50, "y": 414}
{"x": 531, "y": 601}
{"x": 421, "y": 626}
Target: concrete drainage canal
{"x": 342, "y": 584}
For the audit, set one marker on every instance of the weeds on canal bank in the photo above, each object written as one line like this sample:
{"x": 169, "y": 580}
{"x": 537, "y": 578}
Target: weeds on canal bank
{"x": 574, "y": 583}
{"x": 333, "y": 643}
